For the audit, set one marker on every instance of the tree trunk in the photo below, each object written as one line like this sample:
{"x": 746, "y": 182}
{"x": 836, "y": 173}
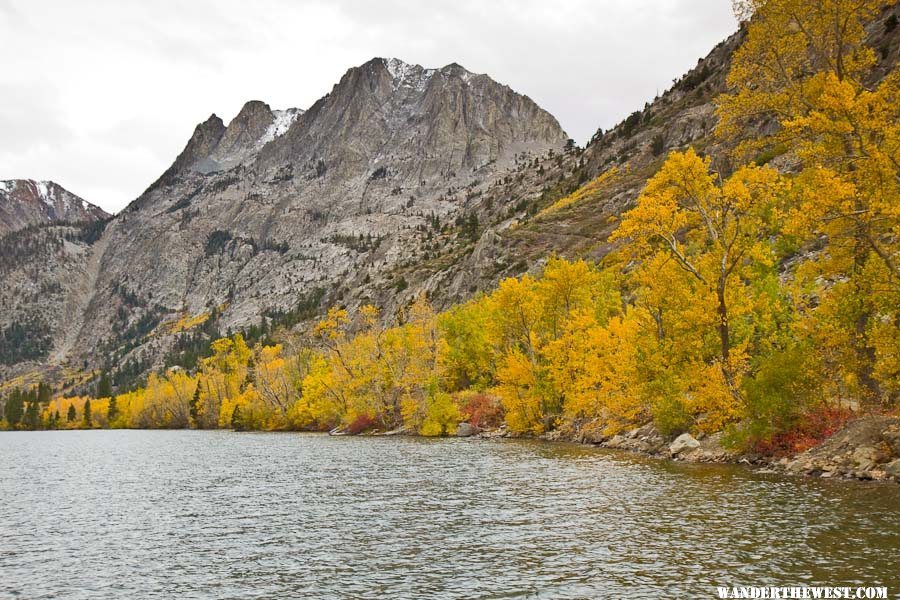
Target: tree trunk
{"x": 865, "y": 354}
{"x": 723, "y": 321}
{"x": 724, "y": 337}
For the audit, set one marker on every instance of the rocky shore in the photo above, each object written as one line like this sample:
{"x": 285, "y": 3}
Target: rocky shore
{"x": 867, "y": 448}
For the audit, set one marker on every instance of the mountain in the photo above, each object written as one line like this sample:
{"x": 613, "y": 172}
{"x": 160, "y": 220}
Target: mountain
{"x": 25, "y": 202}
{"x": 257, "y": 217}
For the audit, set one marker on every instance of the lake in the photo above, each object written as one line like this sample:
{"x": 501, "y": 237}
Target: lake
{"x": 217, "y": 514}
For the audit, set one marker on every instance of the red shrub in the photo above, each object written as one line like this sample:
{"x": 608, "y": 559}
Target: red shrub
{"x": 812, "y": 428}
{"x": 482, "y": 411}
{"x": 360, "y": 424}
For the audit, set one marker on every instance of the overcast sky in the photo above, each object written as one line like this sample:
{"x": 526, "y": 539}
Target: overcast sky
{"x": 100, "y": 96}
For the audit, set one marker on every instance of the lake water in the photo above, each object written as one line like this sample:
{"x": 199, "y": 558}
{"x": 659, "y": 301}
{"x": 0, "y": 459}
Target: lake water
{"x": 206, "y": 514}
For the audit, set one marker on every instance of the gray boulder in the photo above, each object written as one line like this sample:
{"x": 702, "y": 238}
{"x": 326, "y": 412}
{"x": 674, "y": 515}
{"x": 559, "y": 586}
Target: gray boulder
{"x": 616, "y": 441}
{"x": 865, "y": 455}
{"x": 893, "y": 468}
{"x": 465, "y": 430}
{"x": 683, "y": 443}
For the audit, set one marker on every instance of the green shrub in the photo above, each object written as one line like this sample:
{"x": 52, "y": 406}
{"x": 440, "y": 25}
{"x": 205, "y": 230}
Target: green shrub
{"x": 784, "y": 387}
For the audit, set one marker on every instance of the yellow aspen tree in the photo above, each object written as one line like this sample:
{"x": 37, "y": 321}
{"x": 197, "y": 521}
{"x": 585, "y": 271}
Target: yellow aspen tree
{"x": 805, "y": 68}
{"x": 469, "y": 359}
{"x": 596, "y": 369}
{"x": 711, "y": 230}
{"x": 275, "y": 382}
{"x": 222, "y": 377}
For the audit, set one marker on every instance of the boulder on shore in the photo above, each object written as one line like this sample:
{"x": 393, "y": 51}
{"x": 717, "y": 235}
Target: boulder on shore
{"x": 466, "y": 430}
{"x": 683, "y": 443}
{"x": 893, "y": 468}
{"x": 615, "y": 441}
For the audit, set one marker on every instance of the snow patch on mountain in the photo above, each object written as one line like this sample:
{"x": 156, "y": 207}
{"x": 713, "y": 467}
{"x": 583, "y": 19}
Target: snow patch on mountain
{"x": 44, "y": 193}
{"x": 280, "y": 125}
{"x": 397, "y": 68}
{"x": 407, "y": 75}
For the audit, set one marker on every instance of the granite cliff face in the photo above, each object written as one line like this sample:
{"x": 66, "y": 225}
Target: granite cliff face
{"x": 26, "y": 202}
{"x": 256, "y": 217}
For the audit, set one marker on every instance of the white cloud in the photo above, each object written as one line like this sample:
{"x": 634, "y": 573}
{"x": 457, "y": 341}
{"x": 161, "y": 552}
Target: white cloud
{"x": 102, "y": 95}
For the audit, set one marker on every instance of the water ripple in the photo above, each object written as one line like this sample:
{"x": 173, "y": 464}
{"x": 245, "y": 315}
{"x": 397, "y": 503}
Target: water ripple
{"x": 189, "y": 514}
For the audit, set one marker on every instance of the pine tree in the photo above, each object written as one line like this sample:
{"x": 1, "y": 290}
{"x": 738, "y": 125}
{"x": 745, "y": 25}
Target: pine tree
{"x": 195, "y": 407}
{"x": 15, "y": 408}
{"x": 236, "y": 419}
{"x": 104, "y": 388}
{"x": 471, "y": 227}
{"x": 71, "y": 414}
{"x": 113, "y": 411}
{"x": 43, "y": 393}
{"x": 33, "y": 415}
{"x": 86, "y": 419}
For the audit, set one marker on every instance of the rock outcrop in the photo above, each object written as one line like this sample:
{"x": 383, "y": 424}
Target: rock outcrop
{"x": 866, "y": 448}
{"x": 466, "y": 430}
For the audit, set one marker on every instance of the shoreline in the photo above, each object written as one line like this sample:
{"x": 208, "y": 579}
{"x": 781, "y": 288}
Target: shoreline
{"x": 865, "y": 449}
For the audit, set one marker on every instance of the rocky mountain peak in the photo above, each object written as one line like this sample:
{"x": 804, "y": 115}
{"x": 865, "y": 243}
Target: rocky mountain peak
{"x": 402, "y": 112}
{"x": 417, "y": 77}
{"x": 214, "y": 147}
{"x": 25, "y": 202}
{"x": 244, "y": 131}
{"x": 381, "y": 103}
{"x": 403, "y": 73}
{"x": 254, "y": 126}
{"x": 457, "y": 70}
{"x": 204, "y": 139}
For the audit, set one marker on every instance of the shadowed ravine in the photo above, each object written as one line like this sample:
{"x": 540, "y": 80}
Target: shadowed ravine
{"x": 194, "y": 514}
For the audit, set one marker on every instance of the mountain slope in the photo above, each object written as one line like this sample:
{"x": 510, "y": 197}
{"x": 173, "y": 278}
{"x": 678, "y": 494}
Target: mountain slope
{"x": 631, "y": 152}
{"x": 25, "y": 202}
{"x": 42, "y": 268}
